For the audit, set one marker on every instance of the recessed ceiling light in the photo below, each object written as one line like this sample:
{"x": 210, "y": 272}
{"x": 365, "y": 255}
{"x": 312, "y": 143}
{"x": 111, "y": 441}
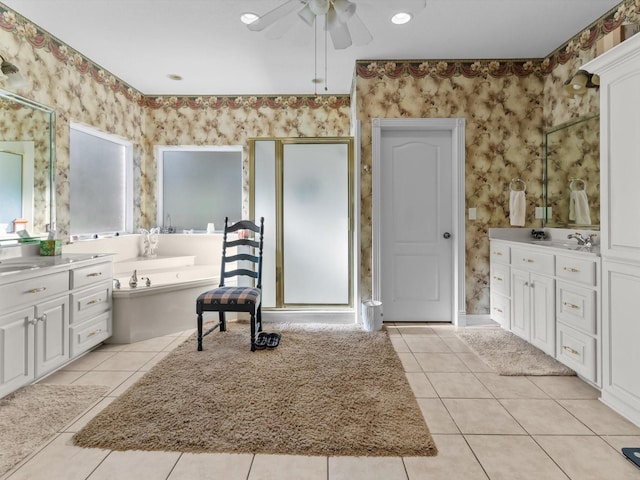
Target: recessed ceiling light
{"x": 248, "y": 18}
{"x": 174, "y": 76}
{"x": 401, "y": 18}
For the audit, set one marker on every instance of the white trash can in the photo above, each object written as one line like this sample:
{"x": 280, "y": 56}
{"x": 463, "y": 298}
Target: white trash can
{"x": 372, "y": 315}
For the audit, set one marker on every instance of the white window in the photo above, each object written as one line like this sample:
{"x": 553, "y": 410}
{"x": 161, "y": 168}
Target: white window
{"x": 198, "y": 186}
{"x": 100, "y": 182}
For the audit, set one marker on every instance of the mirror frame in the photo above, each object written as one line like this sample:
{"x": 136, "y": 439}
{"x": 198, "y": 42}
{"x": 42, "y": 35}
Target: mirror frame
{"x": 545, "y": 175}
{"x": 50, "y": 113}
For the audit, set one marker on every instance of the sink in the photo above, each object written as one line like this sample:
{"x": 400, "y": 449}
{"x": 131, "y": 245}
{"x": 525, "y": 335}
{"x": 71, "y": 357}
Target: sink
{"x": 554, "y": 243}
{"x": 16, "y": 267}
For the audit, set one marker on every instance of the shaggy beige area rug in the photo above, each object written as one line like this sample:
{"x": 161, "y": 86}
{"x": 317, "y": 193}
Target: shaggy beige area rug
{"x": 509, "y": 354}
{"x": 322, "y": 391}
{"x": 33, "y": 414}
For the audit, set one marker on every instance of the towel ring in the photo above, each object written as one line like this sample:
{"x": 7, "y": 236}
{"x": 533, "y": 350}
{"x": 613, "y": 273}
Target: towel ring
{"x": 516, "y": 182}
{"x": 575, "y": 182}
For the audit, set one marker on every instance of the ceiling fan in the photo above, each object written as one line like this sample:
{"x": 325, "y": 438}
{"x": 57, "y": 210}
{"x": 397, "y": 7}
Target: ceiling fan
{"x": 340, "y": 20}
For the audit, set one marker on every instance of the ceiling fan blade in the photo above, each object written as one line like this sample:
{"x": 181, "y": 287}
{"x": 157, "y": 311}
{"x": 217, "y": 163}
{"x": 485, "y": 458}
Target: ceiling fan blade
{"x": 274, "y": 15}
{"x": 340, "y": 36}
{"x": 359, "y": 31}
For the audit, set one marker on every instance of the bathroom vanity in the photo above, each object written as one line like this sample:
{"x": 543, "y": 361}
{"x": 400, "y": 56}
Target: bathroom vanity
{"x": 52, "y": 309}
{"x": 548, "y": 293}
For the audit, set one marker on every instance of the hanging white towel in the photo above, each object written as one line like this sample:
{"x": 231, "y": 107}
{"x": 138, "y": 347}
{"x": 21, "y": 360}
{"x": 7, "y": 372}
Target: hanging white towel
{"x": 579, "y": 208}
{"x": 517, "y": 208}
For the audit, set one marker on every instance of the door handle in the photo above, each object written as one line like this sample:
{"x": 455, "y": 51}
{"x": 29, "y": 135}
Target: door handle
{"x": 446, "y": 235}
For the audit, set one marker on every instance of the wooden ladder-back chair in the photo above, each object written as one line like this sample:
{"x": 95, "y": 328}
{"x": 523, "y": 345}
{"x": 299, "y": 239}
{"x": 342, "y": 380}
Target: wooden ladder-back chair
{"x": 236, "y": 298}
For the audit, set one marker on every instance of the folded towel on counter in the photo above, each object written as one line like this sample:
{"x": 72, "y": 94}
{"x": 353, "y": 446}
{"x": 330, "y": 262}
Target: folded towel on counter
{"x": 517, "y": 208}
{"x": 579, "y": 208}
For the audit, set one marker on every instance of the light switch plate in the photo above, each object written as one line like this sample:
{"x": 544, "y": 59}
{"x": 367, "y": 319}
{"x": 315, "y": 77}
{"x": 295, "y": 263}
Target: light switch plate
{"x": 472, "y": 214}
{"x": 539, "y": 212}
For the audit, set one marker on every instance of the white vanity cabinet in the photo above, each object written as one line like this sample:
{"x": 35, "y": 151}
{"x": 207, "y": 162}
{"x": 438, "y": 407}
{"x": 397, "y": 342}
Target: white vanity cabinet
{"x": 91, "y": 306}
{"x": 500, "y": 283}
{"x": 49, "y": 315}
{"x": 578, "y": 325}
{"x": 34, "y": 326}
{"x": 533, "y": 297}
{"x": 619, "y": 71}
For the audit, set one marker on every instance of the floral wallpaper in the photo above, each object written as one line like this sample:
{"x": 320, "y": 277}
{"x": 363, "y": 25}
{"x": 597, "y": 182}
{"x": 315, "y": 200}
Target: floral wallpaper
{"x": 507, "y": 106}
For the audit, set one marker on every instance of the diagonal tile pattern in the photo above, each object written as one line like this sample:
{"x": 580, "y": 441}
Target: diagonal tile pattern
{"x": 486, "y": 426}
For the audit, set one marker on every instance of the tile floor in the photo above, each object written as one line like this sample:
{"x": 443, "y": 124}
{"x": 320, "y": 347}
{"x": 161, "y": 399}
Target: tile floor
{"x": 486, "y": 426}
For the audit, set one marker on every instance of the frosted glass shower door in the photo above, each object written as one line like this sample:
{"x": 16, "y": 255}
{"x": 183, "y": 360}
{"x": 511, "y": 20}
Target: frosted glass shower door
{"x": 315, "y": 224}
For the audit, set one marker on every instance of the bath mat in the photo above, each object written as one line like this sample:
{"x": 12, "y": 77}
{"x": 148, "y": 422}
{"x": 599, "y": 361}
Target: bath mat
{"x": 324, "y": 391}
{"x": 508, "y": 354}
{"x": 33, "y": 414}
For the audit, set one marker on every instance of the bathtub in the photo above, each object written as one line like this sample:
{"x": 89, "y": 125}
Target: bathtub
{"x": 167, "y": 306}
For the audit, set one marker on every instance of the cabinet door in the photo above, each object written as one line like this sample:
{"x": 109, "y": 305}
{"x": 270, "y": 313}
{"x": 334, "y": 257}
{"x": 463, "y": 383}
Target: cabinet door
{"x": 16, "y": 350}
{"x": 543, "y": 319}
{"x": 52, "y": 334}
{"x": 520, "y": 303}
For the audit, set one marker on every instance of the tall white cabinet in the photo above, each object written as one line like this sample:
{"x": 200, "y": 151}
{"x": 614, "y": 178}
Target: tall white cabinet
{"x": 619, "y": 71}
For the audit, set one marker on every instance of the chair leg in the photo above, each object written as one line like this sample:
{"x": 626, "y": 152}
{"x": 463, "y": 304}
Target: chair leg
{"x": 223, "y": 322}
{"x": 259, "y": 318}
{"x": 199, "y": 332}
{"x": 253, "y": 332}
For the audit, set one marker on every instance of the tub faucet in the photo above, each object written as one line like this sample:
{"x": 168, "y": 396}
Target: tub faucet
{"x": 133, "y": 281}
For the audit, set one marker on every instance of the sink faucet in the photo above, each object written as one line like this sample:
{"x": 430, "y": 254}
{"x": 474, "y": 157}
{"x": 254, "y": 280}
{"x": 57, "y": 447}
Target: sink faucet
{"x": 582, "y": 240}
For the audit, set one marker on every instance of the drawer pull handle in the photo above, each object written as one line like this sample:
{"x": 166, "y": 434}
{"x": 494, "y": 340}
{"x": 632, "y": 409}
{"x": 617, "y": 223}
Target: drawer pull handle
{"x": 498, "y": 310}
{"x": 570, "y": 305}
{"x": 95, "y": 274}
{"x": 95, "y": 332}
{"x": 37, "y": 290}
{"x": 528, "y": 260}
{"x": 571, "y": 269}
{"x": 495, "y": 277}
{"x": 498, "y": 254}
{"x": 570, "y": 350}
{"x": 94, "y": 301}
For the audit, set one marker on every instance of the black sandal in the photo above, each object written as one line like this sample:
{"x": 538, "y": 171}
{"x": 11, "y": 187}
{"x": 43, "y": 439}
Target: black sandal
{"x": 273, "y": 340}
{"x": 261, "y": 341}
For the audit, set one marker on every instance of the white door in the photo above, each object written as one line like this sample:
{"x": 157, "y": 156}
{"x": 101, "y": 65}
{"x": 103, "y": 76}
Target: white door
{"x": 416, "y": 225}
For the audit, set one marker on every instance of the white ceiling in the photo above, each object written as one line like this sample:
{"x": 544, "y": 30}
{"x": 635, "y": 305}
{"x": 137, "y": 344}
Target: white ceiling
{"x": 142, "y": 41}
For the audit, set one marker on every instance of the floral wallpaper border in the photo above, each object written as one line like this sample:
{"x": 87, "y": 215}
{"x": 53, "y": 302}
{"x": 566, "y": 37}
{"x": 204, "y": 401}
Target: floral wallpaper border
{"x": 628, "y": 11}
{"x": 13, "y": 22}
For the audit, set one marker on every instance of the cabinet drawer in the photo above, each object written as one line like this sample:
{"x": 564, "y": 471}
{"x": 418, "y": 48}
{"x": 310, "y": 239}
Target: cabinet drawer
{"x": 578, "y": 351}
{"x": 501, "y": 310}
{"x": 81, "y": 277}
{"x": 500, "y": 252}
{"x": 532, "y": 261}
{"x": 90, "y": 333}
{"x": 32, "y": 290}
{"x": 90, "y": 302}
{"x": 576, "y": 306}
{"x": 500, "y": 279}
{"x": 576, "y": 270}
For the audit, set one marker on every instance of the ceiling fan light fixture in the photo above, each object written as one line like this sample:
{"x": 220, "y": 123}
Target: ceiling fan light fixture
{"x": 401, "y": 18}
{"x": 319, "y": 7}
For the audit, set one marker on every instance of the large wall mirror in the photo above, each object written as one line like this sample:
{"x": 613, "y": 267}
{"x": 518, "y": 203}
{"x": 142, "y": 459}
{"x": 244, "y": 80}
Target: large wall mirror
{"x": 27, "y": 165}
{"x": 572, "y": 174}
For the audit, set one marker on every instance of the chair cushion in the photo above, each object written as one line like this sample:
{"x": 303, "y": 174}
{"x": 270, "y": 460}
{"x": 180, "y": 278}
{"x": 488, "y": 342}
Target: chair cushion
{"x": 231, "y": 296}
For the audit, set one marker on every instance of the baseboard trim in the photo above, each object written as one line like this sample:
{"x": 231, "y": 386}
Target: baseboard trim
{"x": 304, "y": 316}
